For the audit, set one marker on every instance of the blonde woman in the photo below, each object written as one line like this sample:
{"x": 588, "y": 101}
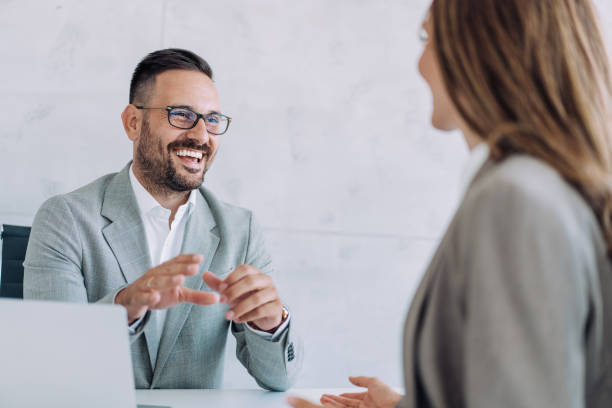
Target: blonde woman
{"x": 515, "y": 309}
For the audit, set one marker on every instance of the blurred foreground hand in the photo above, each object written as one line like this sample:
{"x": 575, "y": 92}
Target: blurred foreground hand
{"x": 378, "y": 395}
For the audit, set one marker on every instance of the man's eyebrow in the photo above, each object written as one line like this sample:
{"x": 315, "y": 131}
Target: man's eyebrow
{"x": 191, "y": 107}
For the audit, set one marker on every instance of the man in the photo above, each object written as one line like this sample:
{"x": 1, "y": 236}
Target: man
{"x": 186, "y": 266}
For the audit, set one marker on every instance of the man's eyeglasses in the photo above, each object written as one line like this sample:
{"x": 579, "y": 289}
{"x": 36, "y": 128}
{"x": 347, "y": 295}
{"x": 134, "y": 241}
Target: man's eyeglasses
{"x": 186, "y": 118}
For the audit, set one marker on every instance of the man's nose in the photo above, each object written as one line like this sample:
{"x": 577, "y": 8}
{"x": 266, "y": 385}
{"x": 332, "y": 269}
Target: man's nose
{"x": 200, "y": 133}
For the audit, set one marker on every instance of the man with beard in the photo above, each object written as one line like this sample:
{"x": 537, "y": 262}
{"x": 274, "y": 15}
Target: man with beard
{"x": 186, "y": 266}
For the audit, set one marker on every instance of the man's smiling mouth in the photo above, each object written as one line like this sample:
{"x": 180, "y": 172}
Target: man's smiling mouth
{"x": 194, "y": 154}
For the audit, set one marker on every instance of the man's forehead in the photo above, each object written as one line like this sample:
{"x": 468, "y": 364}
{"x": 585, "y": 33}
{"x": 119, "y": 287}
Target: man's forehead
{"x": 186, "y": 88}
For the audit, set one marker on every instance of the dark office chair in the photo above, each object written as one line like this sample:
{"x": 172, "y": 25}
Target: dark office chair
{"x": 14, "y": 244}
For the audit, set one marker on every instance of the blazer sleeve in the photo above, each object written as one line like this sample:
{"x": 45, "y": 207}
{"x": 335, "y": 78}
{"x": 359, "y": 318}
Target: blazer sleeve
{"x": 527, "y": 264}
{"x": 274, "y": 364}
{"x": 52, "y": 266}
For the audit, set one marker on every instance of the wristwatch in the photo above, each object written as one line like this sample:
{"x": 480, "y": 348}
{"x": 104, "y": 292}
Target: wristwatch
{"x": 284, "y": 316}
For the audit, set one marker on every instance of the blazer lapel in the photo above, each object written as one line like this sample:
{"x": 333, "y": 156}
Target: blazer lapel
{"x": 125, "y": 234}
{"x": 419, "y": 301}
{"x": 413, "y": 318}
{"x": 200, "y": 238}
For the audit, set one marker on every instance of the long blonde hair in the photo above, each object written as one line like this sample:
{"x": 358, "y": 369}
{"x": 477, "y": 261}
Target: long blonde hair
{"x": 533, "y": 77}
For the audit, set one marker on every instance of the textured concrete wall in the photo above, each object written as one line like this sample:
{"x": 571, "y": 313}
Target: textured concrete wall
{"x": 330, "y": 143}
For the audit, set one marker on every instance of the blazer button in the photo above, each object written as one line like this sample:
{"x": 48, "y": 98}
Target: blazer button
{"x": 290, "y": 352}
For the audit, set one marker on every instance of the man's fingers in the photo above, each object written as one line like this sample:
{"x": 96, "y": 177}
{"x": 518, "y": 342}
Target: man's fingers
{"x": 255, "y": 306}
{"x": 177, "y": 268}
{"x": 163, "y": 282}
{"x": 146, "y": 298}
{"x": 249, "y": 283}
{"x": 186, "y": 259}
{"x": 212, "y": 280}
{"x": 269, "y": 310}
{"x": 361, "y": 381}
{"x": 354, "y": 395}
{"x": 240, "y": 272}
{"x": 198, "y": 297}
{"x": 184, "y": 264}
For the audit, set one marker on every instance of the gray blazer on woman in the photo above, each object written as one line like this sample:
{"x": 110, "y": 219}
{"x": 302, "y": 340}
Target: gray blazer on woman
{"x": 87, "y": 245}
{"x": 515, "y": 309}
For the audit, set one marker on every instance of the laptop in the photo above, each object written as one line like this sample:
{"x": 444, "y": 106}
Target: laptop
{"x": 67, "y": 355}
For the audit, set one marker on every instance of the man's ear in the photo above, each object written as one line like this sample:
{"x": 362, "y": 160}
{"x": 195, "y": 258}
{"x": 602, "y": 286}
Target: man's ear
{"x": 132, "y": 120}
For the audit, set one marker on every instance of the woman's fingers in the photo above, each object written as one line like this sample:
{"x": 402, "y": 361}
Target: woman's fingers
{"x": 296, "y": 402}
{"x": 362, "y": 381}
{"x": 354, "y": 395}
{"x": 340, "y": 401}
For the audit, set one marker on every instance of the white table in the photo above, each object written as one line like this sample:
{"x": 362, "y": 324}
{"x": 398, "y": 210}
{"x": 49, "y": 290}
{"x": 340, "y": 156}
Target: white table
{"x": 230, "y": 398}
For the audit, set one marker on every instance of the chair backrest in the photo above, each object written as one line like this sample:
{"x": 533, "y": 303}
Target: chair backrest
{"x": 14, "y": 244}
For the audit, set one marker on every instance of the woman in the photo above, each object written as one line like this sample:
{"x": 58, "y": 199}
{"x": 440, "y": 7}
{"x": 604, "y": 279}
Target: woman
{"x": 515, "y": 309}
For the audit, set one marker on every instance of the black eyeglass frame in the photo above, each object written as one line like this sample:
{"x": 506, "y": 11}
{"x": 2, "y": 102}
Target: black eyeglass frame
{"x": 199, "y": 116}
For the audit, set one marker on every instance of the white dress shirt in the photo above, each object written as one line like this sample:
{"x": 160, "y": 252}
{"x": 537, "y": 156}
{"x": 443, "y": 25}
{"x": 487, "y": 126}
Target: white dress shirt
{"x": 165, "y": 241}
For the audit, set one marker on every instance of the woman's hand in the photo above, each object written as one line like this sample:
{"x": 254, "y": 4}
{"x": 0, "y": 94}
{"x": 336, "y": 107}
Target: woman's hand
{"x": 378, "y": 395}
{"x": 296, "y": 402}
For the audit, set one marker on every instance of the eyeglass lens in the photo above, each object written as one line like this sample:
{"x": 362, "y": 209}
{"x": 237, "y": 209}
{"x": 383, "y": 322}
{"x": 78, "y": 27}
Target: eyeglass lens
{"x": 186, "y": 118}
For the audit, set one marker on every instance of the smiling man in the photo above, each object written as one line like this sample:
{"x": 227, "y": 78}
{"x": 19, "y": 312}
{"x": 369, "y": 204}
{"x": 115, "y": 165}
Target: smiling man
{"x": 186, "y": 266}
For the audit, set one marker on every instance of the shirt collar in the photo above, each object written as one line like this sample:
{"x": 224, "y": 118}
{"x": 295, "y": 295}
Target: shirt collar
{"x": 476, "y": 159}
{"x": 147, "y": 203}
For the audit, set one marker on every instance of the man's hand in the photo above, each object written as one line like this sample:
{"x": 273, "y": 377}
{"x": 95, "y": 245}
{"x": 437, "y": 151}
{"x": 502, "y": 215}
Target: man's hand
{"x": 251, "y": 295}
{"x": 378, "y": 395}
{"x": 162, "y": 287}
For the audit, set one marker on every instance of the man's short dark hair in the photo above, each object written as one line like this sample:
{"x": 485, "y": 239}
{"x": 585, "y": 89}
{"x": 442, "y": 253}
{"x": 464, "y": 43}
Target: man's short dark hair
{"x": 160, "y": 61}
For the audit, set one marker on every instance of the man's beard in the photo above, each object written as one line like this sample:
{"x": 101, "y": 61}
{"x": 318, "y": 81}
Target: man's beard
{"x": 160, "y": 175}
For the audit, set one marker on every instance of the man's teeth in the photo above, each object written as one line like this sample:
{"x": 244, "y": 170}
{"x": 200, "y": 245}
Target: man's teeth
{"x": 190, "y": 153}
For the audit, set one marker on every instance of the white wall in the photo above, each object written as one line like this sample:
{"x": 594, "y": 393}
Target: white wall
{"x": 330, "y": 143}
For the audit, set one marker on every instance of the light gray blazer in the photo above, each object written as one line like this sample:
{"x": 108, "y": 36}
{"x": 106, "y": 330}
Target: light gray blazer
{"x": 515, "y": 309}
{"x": 88, "y": 244}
